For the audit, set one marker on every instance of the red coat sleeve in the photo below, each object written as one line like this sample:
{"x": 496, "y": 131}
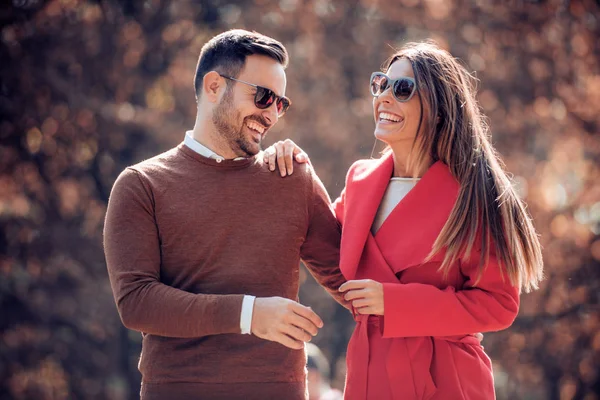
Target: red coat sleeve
{"x": 416, "y": 309}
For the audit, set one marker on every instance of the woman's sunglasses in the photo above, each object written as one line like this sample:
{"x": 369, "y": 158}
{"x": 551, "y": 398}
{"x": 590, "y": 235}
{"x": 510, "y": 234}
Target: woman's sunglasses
{"x": 403, "y": 88}
{"x": 265, "y": 97}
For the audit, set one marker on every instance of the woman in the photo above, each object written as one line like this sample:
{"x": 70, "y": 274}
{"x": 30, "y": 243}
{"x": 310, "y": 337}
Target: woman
{"x": 436, "y": 245}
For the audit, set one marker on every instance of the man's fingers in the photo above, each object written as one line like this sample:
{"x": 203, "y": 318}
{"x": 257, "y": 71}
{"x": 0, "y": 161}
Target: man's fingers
{"x": 296, "y": 333}
{"x": 355, "y": 294}
{"x": 307, "y": 313}
{"x": 351, "y": 285}
{"x": 303, "y": 323}
{"x": 287, "y": 341}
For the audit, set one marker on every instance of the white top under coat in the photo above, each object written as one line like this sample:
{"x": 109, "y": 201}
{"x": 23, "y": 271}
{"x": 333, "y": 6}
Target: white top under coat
{"x": 395, "y": 192}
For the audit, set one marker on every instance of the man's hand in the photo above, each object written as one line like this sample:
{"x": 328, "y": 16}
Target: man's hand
{"x": 366, "y": 296}
{"x": 281, "y": 155}
{"x": 284, "y": 321}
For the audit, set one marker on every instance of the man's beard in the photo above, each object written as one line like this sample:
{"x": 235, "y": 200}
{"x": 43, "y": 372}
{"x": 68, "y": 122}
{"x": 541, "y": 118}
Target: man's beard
{"x": 224, "y": 118}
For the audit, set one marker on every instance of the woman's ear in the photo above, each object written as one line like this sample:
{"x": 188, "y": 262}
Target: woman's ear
{"x": 212, "y": 85}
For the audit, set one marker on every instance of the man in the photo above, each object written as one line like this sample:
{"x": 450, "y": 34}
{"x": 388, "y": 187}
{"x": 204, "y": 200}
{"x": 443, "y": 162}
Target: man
{"x": 193, "y": 234}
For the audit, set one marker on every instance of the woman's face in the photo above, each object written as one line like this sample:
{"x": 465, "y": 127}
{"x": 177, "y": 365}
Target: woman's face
{"x": 395, "y": 121}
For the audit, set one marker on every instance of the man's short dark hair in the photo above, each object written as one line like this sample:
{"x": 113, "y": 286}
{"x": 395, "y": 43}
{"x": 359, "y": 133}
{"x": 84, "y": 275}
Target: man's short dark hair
{"x": 226, "y": 53}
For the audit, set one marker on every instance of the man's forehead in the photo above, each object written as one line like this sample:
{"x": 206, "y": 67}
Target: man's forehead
{"x": 264, "y": 71}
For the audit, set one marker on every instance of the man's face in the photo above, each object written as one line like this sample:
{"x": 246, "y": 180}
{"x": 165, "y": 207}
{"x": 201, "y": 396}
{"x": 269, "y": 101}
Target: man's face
{"x": 236, "y": 117}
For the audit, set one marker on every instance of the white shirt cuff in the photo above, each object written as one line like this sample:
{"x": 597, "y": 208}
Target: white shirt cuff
{"x": 246, "y": 317}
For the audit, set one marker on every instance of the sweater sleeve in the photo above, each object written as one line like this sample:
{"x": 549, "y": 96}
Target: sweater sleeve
{"x": 321, "y": 248}
{"x": 132, "y": 250}
{"x": 415, "y": 309}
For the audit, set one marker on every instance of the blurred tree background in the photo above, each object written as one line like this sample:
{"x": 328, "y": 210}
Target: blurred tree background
{"x": 89, "y": 87}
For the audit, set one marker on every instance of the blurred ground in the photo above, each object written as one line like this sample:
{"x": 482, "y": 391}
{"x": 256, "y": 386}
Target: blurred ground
{"x": 89, "y": 87}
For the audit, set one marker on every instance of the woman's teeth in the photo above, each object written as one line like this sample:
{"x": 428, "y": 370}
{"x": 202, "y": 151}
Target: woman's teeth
{"x": 389, "y": 117}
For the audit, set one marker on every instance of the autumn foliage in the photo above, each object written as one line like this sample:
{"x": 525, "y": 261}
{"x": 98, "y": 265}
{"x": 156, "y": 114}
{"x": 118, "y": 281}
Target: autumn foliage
{"x": 89, "y": 87}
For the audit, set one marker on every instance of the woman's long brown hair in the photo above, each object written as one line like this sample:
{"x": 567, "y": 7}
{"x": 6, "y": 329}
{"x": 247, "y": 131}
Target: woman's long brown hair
{"x": 488, "y": 211}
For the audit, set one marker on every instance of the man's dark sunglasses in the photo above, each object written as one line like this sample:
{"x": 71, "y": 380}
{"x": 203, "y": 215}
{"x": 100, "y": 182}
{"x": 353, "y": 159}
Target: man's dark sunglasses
{"x": 265, "y": 97}
{"x": 403, "y": 88}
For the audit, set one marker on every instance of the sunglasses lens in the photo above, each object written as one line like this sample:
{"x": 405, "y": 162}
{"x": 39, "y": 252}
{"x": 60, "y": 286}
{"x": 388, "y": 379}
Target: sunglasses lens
{"x": 379, "y": 82}
{"x": 282, "y": 105}
{"x": 403, "y": 89}
{"x": 264, "y": 97}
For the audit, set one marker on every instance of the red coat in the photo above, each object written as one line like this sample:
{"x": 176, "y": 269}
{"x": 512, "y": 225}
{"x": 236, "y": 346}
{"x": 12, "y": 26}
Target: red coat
{"x": 429, "y": 323}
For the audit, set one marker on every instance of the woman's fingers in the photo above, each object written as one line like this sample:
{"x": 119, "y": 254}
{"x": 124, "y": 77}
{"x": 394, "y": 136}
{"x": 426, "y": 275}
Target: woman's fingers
{"x": 270, "y": 155}
{"x": 369, "y": 310}
{"x": 281, "y": 156}
{"x": 279, "y": 148}
{"x": 300, "y": 155}
{"x": 355, "y": 294}
{"x": 366, "y": 296}
{"x": 357, "y": 284}
{"x": 359, "y": 303}
{"x": 288, "y": 147}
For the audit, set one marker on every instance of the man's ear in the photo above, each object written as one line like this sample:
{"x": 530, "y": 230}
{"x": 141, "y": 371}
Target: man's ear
{"x": 212, "y": 86}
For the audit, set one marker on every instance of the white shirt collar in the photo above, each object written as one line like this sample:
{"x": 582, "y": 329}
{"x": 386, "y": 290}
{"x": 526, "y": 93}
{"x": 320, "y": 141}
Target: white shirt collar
{"x": 199, "y": 148}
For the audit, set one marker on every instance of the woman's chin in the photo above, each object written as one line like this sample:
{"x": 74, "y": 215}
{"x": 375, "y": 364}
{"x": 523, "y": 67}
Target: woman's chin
{"x": 384, "y": 136}
{"x": 389, "y": 136}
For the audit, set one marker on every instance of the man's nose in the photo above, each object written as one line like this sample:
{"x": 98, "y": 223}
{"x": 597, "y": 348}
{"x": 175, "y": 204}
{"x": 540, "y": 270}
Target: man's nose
{"x": 270, "y": 114}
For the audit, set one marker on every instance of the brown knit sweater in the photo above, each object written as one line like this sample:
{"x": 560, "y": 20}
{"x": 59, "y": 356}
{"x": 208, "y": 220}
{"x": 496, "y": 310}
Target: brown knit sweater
{"x": 185, "y": 238}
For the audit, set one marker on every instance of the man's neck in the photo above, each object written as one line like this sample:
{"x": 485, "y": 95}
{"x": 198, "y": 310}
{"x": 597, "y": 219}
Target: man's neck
{"x": 206, "y": 134}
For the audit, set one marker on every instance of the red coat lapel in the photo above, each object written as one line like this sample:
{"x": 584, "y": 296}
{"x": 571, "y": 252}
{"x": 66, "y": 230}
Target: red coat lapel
{"x": 365, "y": 186}
{"x": 408, "y": 234}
